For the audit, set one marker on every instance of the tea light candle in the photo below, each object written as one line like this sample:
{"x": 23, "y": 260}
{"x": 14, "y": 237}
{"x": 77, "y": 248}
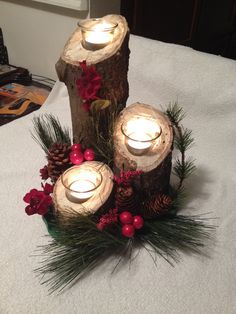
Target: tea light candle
{"x": 80, "y": 191}
{"x": 96, "y": 33}
{"x": 140, "y": 134}
{"x": 81, "y": 182}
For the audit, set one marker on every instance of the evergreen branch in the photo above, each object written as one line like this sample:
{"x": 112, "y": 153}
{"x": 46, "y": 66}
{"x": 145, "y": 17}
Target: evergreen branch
{"x": 48, "y": 130}
{"x": 186, "y": 234}
{"x": 183, "y": 169}
{"x": 178, "y": 197}
{"x": 175, "y": 113}
{"x": 78, "y": 247}
{"x": 185, "y": 141}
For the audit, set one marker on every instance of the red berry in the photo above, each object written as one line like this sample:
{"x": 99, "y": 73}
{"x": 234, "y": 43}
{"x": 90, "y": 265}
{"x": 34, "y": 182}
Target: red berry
{"x": 100, "y": 226}
{"x": 76, "y": 158}
{"x": 126, "y": 218}
{"x": 128, "y": 231}
{"x": 89, "y": 154}
{"x": 138, "y": 222}
{"x": 76, "y": 147}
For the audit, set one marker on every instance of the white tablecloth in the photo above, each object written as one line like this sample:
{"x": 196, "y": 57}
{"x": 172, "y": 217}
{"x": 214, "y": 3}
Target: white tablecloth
{"x": 205, "y": 85}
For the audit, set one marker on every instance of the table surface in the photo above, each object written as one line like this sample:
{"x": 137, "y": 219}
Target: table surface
{"x": 160, "y": 73}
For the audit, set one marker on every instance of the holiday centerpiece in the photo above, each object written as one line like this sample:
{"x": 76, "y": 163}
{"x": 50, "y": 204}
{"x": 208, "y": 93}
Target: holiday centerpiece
{"x": 110, "y": 186}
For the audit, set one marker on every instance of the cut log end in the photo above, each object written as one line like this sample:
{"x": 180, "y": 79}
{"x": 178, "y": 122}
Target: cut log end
{"x": 99, "y": 198}
{"x": 155, "y": 163}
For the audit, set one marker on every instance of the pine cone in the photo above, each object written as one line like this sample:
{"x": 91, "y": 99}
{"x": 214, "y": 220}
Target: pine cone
{"x": 58, "y": 160}
{"x": 157, "y": 206}
{"x": 126, "y": 199}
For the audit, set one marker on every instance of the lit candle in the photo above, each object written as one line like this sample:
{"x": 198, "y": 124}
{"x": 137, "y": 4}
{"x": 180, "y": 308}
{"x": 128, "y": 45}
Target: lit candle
{"x": 96, "y": 33}
{"x": 80, "y": 191}
{"x": 140, "y": 134}
{"x": 81, "y": 182}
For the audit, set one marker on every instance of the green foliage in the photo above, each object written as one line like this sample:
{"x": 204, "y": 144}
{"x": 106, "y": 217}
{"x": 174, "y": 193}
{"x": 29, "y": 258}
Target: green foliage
{"x": 171, "y": 235}
{"x": 48, "y": 130}
{"x": 175, "y": 113}
{"x": 77, "y": 248}
{"x": 183, "y": 140}
{"x": 183, "y": 169}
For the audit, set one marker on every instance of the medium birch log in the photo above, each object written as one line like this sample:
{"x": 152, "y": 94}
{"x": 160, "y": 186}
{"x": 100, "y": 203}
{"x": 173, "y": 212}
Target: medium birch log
{"x": 100, "y": 197}
{"x": 156, "y": 162}
{"x": 111, "y": 62}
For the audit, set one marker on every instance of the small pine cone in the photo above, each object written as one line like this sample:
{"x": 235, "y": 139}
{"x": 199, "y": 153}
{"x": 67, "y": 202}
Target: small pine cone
{"x": 58, "y": 160}
{"x": 126, "y": 199}
{"x": 157, "y": 206}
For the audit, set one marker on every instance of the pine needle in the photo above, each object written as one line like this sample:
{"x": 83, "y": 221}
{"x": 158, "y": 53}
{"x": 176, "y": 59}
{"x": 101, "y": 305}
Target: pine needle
{"x": 175, "y": 113}
{"x": 183, "y": 140}
{"x": 184, "y": 169}
{"x": 77, "y": 248}
{"x": 169, "y": 236}
{"x": 48, "y": 130}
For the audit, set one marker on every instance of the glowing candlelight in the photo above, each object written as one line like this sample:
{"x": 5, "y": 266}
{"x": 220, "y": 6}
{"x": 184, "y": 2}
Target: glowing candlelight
{"x": 96, "y": 33}
{"x": 140, "y": 134}
{"x": 81, "y": 190}
{"x": 81, "y": 182}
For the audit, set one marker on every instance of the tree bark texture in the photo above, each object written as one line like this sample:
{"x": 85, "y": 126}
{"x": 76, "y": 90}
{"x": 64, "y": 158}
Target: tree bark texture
{"x": 111, "y": 62}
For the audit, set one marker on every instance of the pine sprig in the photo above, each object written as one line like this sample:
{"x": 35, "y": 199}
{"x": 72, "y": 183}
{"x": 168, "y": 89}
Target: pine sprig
{"x": 178, "y": 197}
{"x": 175, "y": 113}
{"x": 48, "y": 130}
{"x": 183, "y": 140}
{"x": 183, "y": 169}
{"x": 169, "y": 236}
{"x": 78, "y": 247}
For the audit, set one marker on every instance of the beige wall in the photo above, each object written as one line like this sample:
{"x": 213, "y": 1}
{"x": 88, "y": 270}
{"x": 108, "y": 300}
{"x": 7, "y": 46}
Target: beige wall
{"x": 35, "y": 33}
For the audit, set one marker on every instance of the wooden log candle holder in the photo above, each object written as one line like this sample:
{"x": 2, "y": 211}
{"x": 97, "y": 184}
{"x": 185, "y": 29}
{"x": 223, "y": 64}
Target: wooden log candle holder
{"x": 98, "y": 198}
{"x": 111, "y": 62}
{"x": 152, "y": 157}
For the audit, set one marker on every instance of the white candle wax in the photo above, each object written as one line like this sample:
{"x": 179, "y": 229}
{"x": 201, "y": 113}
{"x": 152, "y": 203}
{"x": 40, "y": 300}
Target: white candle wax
{"x": 98, "y": 37}
{"x": 140, "y": 134}
{"x": 139, "y": 140}
{"x": 138, "y": 143}
{"x": 81, "y": 190}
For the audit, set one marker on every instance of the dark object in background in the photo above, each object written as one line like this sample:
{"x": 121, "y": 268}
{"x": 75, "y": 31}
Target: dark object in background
{"x": 12, "y": 74}
{"x": 9, "y": 73}
{"x": 3, "y": 50}
{"x": 205, "y": 25}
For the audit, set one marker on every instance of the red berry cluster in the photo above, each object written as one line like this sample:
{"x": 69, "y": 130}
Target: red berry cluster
{"x": 77, "y": 156}
{"x": 130, "y": 223}
{"x": 125, "y": 177}
{"x": 108, "y": 219}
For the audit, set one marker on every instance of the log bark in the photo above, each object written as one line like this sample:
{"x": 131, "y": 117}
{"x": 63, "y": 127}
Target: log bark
{"x": 111, "y": 62}
{"x": 156, "y": 163}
